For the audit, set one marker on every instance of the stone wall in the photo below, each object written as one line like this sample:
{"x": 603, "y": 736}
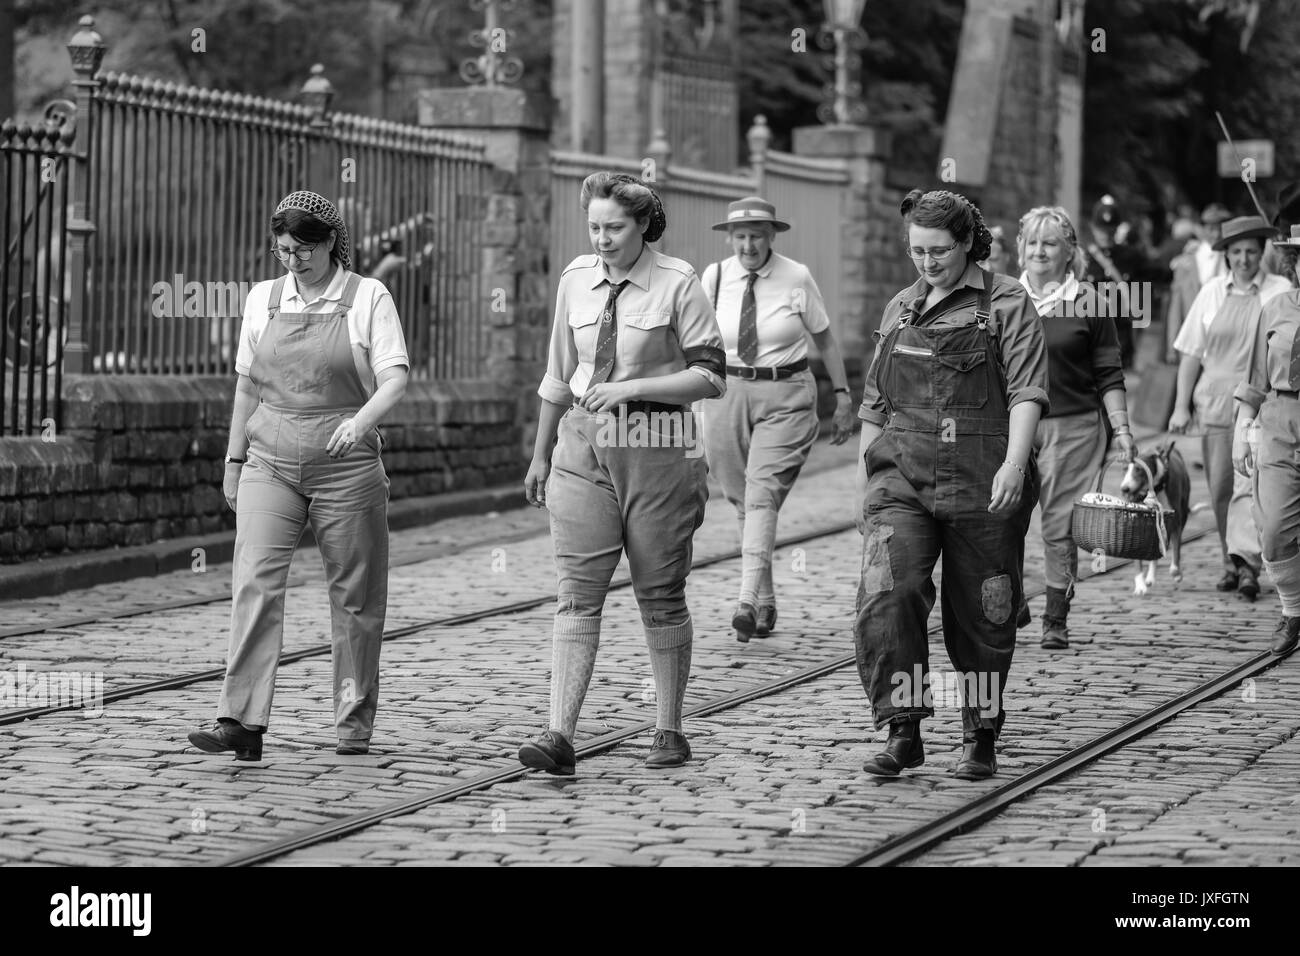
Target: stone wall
{"x": 139, "y": 459}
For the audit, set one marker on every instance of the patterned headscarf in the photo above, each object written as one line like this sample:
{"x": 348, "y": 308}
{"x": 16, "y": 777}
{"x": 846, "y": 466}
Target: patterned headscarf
{"x": 324, "y": 210}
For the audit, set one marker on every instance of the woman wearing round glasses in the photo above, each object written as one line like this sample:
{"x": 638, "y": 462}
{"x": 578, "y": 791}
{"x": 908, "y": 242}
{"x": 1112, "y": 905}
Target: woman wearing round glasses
{"x": 1086, "y": 378}
{"x": 321, "y": 361}
{"x": 952, "y": 399}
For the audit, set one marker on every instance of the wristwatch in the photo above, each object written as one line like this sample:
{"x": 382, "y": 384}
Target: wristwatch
{"x": 234, "y": 461}
{"x": 845, "y": 390}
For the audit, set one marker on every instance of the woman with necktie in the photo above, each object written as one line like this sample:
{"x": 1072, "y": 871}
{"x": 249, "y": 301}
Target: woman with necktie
{"x": 616, "y": 461}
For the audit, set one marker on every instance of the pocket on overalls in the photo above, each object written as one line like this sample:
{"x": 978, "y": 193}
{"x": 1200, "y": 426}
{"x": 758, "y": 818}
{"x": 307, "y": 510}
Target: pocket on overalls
{"x": 302, "y": 360}
{"x": 909, "y": 378}
{"x": 962, "y": 379}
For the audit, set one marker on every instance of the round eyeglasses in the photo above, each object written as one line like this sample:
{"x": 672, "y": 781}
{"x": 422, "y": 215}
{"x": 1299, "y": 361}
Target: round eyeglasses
{"x": 303, "y": 254}
{"x": 938, "y": 255}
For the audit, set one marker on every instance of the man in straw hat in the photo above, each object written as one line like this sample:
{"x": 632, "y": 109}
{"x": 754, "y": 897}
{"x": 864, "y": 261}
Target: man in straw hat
{"x": 1269, "y": 408}
{"x": 1215, "y": 343}
{"x": 758, "y": 435}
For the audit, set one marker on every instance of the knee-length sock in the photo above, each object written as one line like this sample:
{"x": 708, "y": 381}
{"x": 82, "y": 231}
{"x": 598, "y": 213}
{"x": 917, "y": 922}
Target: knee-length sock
{"x": 670, "y": 658}
{"x": 756, "y": 546}
{"x": 573, "y": 658}
{"x": 1286, "y": 577}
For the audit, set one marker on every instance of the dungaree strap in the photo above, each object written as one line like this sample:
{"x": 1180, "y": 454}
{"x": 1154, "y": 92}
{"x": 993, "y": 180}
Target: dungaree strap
{"x": 985, "y": 310}
{"x": 277, "y": 290}
{"x": 350, "y": 286}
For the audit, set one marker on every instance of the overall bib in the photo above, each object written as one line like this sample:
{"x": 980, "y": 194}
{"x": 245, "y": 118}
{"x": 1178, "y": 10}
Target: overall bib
{"x": 929, "y": 479}
{"x": 308, "y": 383}
{"x": 1227, "y": 356}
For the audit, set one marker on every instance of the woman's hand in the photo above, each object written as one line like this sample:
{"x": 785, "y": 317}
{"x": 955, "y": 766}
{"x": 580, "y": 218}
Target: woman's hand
{"x": 1007, "y": 485}
{"x": 535, "y": 482}
{"x": 344, "y": 438}
{"x": 230, "y": 483}
{"x": 842, "y": 423}
{"x": 607, "y": 396}
{"x": 1179, "y": 420}
{"x": 1243, "y": 455}
{"x": 1126, "y": 446}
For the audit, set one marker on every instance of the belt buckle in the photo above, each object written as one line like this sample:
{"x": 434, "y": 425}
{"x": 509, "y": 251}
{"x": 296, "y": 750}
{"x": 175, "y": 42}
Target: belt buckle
{"x": 747, "y": 373}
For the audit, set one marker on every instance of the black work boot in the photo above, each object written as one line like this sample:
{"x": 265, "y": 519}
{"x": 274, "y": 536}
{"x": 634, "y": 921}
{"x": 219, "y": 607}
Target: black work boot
{"x": 1055, "y": 634}
{"x": 978, "y": 759}
{"x": 1286, "y": 635}
{"x": 903, "y": 750}
{"x": 229, "y": 735}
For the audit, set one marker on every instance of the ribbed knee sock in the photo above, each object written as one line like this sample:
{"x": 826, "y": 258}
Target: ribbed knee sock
{"x": 1286, "y": 577}
{"x": 573, "y": 658}
{"x": 670, "y": 659}
{"x": 757, "y": 542}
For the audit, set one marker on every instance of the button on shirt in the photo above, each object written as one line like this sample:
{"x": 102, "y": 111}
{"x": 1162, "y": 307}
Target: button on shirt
{"x": 1192, "y": 336}
{"x": 374, "y": 330}
{"x": 665, "y": 322}
{"x": 788, "y": 302}
{"x": 1014, "y": 321}
{"x": 1277, "y": 352}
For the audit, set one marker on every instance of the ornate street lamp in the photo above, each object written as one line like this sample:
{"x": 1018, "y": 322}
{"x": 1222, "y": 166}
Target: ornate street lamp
{"x": 842, "y": 23}
{"x": 317, "y": 92}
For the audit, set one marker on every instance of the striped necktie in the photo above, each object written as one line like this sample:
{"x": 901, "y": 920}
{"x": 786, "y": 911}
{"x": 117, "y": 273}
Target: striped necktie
{"x": 747, "y": 335}
{"x": 607, "y": 338}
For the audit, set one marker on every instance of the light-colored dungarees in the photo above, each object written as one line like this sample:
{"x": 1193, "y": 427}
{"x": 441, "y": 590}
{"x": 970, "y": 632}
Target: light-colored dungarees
{"x": 308, "y": 383}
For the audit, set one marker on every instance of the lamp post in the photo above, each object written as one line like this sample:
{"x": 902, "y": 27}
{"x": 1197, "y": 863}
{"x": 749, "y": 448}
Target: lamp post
{"x": 842, "y": 19}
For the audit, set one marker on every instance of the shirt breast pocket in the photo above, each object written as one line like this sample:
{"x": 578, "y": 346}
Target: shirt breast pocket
{"x": 585, "y": 327}
{"x": 648, "y": 338}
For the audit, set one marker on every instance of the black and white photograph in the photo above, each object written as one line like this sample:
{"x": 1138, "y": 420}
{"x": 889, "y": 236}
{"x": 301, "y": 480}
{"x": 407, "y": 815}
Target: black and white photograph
{"x": 651, "y": 433}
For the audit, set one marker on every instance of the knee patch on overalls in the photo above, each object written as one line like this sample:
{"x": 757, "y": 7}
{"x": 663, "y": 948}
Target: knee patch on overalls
{"x": 877, "y": 571}
{"x": 995, "y": 598}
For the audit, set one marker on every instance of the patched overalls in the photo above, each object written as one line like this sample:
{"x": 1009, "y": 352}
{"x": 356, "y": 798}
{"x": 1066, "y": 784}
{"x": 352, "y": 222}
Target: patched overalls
{"x": 308, "y": 383}
{"x": 930, "y": 475}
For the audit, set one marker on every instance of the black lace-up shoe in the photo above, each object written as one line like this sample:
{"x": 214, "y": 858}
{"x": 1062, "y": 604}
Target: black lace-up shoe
{"x": 1286, "y": 635}
{"x": 1247, "y": 583}
{"x": 903, "y": 750}
{"x": 669, "y": 749}
{"x": 765, "y": 621}
{"x": 550, "y": 752}
{"x": 1228, "y": 582}
{"x": 744, "y": 622}
{"x": 978, "y": 761}
{"x": 352, "y": 748}
{"x": 229, "y": 735}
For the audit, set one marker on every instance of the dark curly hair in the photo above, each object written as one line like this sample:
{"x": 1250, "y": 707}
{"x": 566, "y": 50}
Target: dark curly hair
{"x": 1286, "y": 265}
{"x": 304, "y": 227}
{"x": 636, "y": 197}
{"x": 940, "y": 209}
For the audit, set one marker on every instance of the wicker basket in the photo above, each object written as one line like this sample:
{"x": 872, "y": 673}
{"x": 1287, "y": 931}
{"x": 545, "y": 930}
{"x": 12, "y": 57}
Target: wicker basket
{"x": 1134, "y": 531}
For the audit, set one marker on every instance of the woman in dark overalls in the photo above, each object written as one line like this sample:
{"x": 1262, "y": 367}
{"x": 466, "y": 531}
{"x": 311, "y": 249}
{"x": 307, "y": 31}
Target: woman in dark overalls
{"x": 950, "y": 406}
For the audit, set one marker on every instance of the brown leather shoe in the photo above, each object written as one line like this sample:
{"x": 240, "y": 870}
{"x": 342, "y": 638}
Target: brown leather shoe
{"x": 669, "y": 749}
{"x": 765, "y": 620}
{"x": 744, "y": 622}
{"x": 903, "y": 750}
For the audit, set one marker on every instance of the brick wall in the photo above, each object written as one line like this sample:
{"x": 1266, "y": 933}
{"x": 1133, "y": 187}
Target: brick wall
{"x": 139, "y": 459}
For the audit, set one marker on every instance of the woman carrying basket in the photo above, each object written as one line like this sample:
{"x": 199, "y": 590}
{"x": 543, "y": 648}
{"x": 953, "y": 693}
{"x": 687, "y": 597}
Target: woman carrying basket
{"x": 1085, "y": 379}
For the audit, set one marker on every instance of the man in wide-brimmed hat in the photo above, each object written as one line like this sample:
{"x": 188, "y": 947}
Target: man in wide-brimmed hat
{"x": 758, "y": 435}
{"x": 1215, "y": 343}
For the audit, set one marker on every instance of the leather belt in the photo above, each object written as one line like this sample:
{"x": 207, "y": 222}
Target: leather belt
{"x": 1280, "y": 392}
{"x": 766, "y": 373}
{"x": 649, "y": 408}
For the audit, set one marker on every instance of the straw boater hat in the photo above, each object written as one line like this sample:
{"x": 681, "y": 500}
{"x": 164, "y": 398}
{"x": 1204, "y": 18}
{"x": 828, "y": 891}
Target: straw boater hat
{"x": 1292, "y": 243}
{"x": 1244, "y": 227}
{"x": 752, "y": 209}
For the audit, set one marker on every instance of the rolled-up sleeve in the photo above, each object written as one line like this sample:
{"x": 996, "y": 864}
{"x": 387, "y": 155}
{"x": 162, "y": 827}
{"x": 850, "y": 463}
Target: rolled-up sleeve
{"x": 1107, "y": 368}
{"x": 872, "y": 409}
{"x": 1254, "y": 389}
{"x": 562, "y": 359}
{"x": 815, "y": 318}
{"x": 1024, "y": 351}
{"x": 698, "y": 334}
{"x": 1191, "y": 337}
